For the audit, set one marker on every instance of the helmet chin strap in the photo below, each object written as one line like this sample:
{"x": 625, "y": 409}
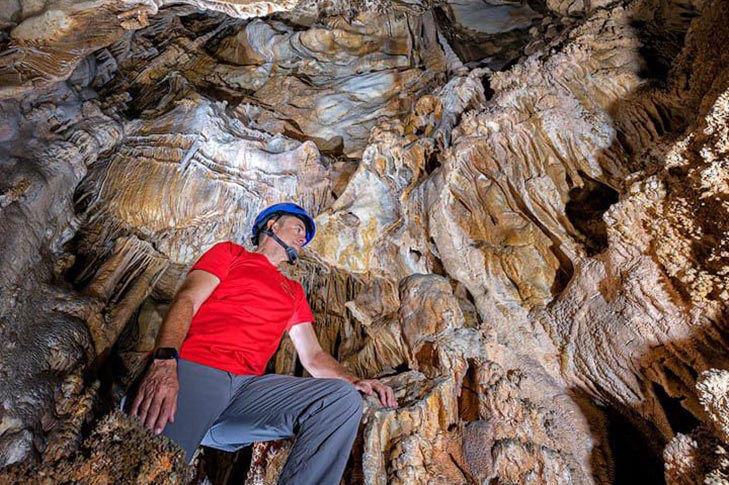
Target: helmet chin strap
{"x": 291, "y": 253}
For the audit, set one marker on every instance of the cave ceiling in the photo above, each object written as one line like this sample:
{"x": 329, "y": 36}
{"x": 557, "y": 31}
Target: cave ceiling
{"x": 522, "y": 211}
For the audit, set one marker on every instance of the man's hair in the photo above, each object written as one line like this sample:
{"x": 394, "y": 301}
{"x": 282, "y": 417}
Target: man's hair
{"x": 279, "y": 218}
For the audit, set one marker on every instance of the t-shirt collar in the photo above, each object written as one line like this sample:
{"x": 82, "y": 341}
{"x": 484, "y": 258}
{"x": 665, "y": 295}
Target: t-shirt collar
{"x": 265, "y": 258}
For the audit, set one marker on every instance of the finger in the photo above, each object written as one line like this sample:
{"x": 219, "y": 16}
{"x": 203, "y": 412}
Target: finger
{"x": 388, "y": 395}
{"x": 164, "y": 415}
{"x": 382, "y": 394}
{"x": 137, "y": 401}
{"x": 152, "y": 414}
{"x": 174, "y": 410}
{"x": 391, "y": 397}
{"x": 144, "y": 407}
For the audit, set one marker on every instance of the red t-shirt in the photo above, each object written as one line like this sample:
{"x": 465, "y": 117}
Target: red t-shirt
{"x": 238, "y": 328}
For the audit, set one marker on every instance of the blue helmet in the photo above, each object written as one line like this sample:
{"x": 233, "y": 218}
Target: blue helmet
{"x": 277, "y": 210}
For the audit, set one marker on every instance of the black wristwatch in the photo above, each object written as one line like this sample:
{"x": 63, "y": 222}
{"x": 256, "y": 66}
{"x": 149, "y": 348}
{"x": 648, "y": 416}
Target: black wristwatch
{"x": 165, "y": 353}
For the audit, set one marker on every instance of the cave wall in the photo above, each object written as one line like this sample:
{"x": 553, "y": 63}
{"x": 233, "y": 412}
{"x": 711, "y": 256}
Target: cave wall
{"x": 522, "y": 214}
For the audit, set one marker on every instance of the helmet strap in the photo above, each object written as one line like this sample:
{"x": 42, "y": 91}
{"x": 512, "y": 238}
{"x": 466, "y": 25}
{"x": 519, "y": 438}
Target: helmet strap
{"x": 291, "y": 253}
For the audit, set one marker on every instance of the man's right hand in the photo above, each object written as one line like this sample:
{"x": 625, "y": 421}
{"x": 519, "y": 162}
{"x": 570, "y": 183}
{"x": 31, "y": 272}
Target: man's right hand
{"x": 156, "y": 400}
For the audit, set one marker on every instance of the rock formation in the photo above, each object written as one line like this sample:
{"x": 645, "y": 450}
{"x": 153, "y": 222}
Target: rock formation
{"x": 522, "y": 213}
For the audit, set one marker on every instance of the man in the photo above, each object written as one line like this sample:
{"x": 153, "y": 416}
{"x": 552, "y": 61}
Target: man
{"x": 226, "y": 321}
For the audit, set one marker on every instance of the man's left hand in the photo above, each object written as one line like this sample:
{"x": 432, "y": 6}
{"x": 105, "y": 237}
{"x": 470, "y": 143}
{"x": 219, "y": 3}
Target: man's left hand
{"x": 385, "y": 393}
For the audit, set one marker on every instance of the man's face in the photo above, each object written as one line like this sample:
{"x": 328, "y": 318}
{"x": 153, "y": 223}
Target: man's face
{"x": 291, "y": 230}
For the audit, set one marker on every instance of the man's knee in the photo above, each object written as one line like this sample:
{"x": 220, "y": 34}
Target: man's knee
{"x": 349, "y": 399}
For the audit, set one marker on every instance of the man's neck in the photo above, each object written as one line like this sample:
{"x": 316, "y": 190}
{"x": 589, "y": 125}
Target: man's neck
{"x": 275, "y": 254}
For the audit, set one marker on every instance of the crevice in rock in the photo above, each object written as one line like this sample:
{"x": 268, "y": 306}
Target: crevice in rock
{"x": 634, "y": 462}
{"x": 680, "y": 419}
{"x": 404, "y": 367}
{"x": 432, "y": 163}
{"x": 468, "y": 400}
{"x": 564, "y": 272}
{"x": 585, "y": 209}
{"x": 438, "y": 267}
{"x": 488, "y": 91}
{"x": 224, "y": 468}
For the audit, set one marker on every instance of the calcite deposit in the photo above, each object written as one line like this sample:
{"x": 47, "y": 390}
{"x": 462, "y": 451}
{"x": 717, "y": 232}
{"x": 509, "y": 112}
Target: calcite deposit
{"x": 107, "y": 456}
{"x": 522, "y": 212}
{"x": 700, "y": 457}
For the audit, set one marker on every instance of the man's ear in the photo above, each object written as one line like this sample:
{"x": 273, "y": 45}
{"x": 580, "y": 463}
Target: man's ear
{"x": 273, "y": 221}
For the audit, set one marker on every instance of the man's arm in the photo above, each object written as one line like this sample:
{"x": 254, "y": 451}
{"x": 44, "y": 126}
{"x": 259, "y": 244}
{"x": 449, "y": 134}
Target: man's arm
{"x": 320, "y": 364}
{"x": 156, "y": 400}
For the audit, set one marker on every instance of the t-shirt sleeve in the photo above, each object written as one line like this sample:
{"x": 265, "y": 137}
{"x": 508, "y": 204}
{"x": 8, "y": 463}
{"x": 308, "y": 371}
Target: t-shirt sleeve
{"x": 216, "y": 260}
{"x": 302, "y": 312}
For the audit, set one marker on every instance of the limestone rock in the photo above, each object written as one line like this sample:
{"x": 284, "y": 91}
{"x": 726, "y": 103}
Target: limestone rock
{"x": 49, "y": 39}
{"x": 533, "y": 253}
{"x": 701, "y": 456}
{"x": 381, "y": 211}
{"x": 48, "y": 143}
{"x": 329, "y": 82}
{"x": 118, "y": 450}
{"x": 492, "y": 33}
{"x": 712, "y": 390}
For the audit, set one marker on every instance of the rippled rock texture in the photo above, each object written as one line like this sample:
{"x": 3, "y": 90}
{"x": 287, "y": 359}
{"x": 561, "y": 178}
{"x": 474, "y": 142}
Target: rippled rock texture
{"x": 522, "y": 214}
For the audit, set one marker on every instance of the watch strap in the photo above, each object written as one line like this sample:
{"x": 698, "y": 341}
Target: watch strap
{"x": 165, "y": 353}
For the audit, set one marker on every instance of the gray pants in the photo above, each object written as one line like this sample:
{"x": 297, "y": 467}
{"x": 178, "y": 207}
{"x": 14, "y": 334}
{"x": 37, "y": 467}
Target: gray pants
{"x": 228, "y": 411}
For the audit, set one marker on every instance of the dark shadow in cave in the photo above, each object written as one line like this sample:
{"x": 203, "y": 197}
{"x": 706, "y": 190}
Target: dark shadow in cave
{"x": 488, "y": 91}
{"x": 222, "y": 467}
{"x": 585, "y": 209}
{"x": 432, "y": 162}
{"x": 632, "y": 454}
{"x": 623, "y": 452}
{"x": 635, "y": 442}
{"x": 662, "y": 32}
{"x": 468, "y": 401}
{"x": 681, "y": 420}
